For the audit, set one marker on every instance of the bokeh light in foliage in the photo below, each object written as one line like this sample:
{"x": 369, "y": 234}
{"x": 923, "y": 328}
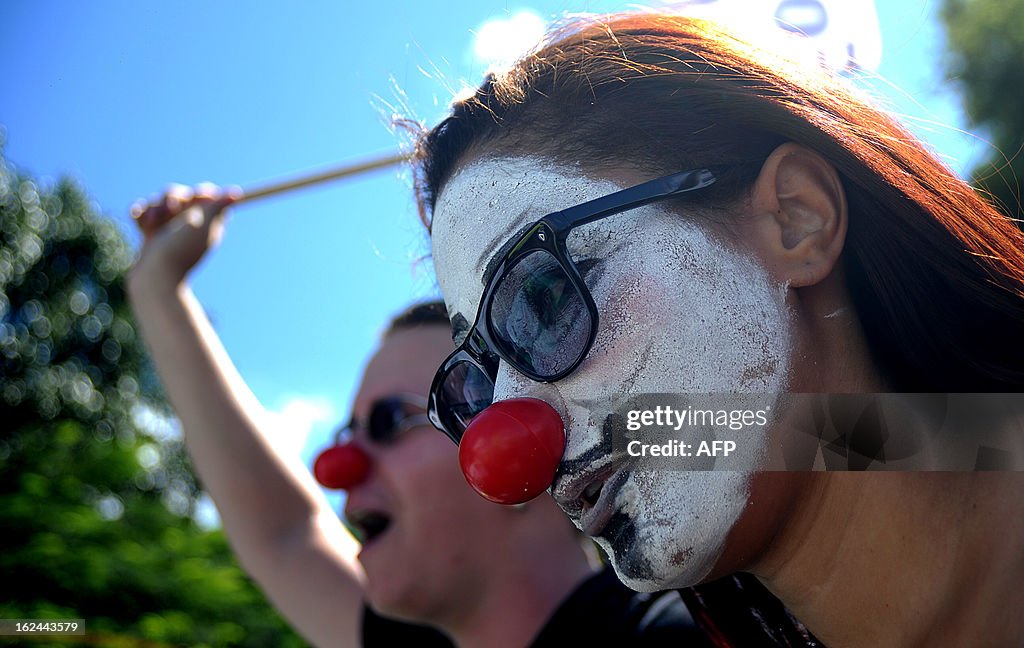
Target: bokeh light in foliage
{"x": 95, "y": 498}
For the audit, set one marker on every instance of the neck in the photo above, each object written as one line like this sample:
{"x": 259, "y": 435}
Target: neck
{"x": 519, "y": 600}
{"x": 904, "y": 559}
{"x": 833, "y": 354}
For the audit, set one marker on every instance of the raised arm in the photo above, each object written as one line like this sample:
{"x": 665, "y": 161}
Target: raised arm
{"x": 279, "y": 524}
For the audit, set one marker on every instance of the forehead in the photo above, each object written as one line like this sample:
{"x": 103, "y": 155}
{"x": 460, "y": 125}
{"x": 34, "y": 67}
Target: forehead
{"x": 404, "y": 363}
{"x": 484, "y": 204}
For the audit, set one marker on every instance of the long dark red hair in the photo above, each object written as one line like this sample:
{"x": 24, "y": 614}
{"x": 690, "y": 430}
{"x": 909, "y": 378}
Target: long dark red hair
{"x": 935, "y": 272}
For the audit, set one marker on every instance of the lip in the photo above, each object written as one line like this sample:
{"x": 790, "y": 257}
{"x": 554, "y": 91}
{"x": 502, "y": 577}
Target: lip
{"x": 355, "y": 509}
{"x": 569, "y": 493}
{"x": 366, "y": 545}
{"x": 568, "y": 488}
{"x": 593, "y": 520}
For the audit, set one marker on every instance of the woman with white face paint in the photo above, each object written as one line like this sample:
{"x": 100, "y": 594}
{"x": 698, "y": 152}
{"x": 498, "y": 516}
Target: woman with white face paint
{"x": 646, "y": 205}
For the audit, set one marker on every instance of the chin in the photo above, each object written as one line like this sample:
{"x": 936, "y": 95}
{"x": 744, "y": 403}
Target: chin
{"x": 394, "y": 601}
{"x": 388, "y": 589}
{"x": 672, "y": 529}
{"x": 639, "y": 572}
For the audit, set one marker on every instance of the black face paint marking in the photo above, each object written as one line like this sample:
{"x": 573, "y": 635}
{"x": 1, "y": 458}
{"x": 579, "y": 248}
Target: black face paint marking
{"x": 499, "y": 256}
{"x": 459, "y": 327}
{"x": 620, "y": 533}
{"x": 569, "y": 467}
{"x": 591, "y": 270}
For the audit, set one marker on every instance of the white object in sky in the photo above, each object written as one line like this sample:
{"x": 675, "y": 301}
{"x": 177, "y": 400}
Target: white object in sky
{"x": 841, "y": 34}
{"x": 500, "y": 41}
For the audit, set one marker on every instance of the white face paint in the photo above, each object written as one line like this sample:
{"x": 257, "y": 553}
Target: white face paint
{"x": 679, "y": 312}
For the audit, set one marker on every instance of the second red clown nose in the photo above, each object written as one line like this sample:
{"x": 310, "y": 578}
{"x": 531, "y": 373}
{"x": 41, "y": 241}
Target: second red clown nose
{"x": 510, "y": 451}
{"x": 341, "y": 467}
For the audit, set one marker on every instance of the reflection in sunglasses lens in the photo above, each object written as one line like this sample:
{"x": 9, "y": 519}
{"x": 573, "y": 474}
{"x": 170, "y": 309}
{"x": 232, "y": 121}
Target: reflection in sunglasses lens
{"x": 467, "y": 392}
{"x": 538, "y": 317}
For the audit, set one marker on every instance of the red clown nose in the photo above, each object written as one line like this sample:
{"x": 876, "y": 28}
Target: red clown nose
{"x": 341, "y": 467}
{"x": 510, "y": 450}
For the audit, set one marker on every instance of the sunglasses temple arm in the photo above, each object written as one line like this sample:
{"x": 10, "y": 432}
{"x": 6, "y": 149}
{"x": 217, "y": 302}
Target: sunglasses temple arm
{"x": 631, "y": 198}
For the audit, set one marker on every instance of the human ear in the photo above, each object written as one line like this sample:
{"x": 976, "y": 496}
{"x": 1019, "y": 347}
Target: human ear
{"x": 798, "y": 215}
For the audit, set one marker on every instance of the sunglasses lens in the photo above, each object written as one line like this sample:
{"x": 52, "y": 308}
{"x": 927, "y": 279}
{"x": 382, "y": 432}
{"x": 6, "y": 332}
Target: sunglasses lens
{"x": 538, "y": 317}
{"x": 466, "y": 392}
{"x": 386, "y": 417}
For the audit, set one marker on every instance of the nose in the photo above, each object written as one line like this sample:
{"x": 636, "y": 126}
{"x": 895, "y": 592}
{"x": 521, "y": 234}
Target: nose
{"x": 510, "y": 451}
{"x": 341, "y": 467}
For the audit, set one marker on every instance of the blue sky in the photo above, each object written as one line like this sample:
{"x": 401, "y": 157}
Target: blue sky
{"x": 129, "y": 96}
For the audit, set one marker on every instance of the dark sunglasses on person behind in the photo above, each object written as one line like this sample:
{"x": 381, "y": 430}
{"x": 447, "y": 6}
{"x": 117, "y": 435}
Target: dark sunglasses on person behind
{"x": 536, "y": 313}
{"x": 389, "y": 418}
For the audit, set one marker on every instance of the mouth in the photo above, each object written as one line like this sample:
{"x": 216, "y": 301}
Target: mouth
{"x": 598, "y": 503}
{"x": 369, "y": 525}
{"x": 588, "y": 498}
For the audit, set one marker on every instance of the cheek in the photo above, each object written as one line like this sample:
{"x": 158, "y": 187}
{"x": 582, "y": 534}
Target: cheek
{"x": 691, "y": 318}
{"x": 634, "y": 320}
{"x": 426, "y": 474}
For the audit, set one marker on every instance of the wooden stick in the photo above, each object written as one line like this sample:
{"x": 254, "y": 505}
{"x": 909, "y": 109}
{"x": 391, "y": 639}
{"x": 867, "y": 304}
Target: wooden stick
{"x": 343, "y": 171}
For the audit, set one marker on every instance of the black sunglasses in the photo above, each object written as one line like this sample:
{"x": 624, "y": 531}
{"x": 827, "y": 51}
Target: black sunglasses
{"x": 389, "y": 418}
{"x": 536, "y": 313}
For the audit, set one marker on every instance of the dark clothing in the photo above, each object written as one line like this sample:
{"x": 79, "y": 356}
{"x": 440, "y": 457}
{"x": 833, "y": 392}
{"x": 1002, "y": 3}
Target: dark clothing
{"x": 382, "y": 632}
{"x": 738, "y": 611}
{"x": 601, "y": 611}
{"x": 604, "y": 612}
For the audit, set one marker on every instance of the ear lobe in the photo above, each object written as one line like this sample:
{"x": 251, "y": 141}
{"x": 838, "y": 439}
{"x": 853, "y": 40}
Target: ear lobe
{"x": 798, "y": 215}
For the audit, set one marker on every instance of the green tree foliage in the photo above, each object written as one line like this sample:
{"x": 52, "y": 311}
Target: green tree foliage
{"x": 94, "y": 508}
{"x": 986, "y": 61}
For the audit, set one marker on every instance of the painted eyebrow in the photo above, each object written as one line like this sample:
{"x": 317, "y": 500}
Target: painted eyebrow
{"x": 460, "y": 326}
{"x": 499, "y": 256}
